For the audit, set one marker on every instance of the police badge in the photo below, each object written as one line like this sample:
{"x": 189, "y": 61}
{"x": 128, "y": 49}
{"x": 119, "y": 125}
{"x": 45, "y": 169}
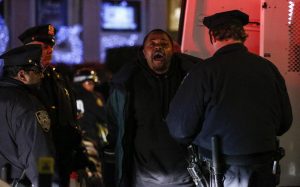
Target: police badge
{"x": 99, "y": 102}
{"x": 51, "y": 30}
{"x": 43, "y": 119}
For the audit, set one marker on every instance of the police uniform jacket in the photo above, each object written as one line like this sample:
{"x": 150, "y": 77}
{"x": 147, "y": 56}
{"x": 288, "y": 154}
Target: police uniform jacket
{"x": 94, "y": 114}
{"x": 56, "y": 94}
{"x": 131, "y": 98}
{"x": 24, "y": 130}
{"x": 237, "y": 95}
{"x": 57, "y": 97}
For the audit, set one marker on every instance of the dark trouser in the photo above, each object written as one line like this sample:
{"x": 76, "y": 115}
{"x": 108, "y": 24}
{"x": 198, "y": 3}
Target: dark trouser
{"x": 141, "y": 183}
{"x": 21, "y": 183}
{"x": 258, "y": 175}
{"x": 108, "y": 170}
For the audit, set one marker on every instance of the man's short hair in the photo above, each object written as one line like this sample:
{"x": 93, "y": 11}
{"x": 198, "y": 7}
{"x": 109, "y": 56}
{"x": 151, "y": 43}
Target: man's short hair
{"x": 157, "y": 31}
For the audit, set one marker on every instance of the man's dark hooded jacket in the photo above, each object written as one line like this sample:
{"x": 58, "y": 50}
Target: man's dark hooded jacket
{"x": 137, "y": 107}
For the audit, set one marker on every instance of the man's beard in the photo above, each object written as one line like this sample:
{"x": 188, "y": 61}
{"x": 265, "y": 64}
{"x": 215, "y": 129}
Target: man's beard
{"x": 161, "y": 68}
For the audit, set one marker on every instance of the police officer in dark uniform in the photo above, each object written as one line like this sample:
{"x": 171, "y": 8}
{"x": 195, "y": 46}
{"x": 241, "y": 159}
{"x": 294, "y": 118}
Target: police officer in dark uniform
{"x": 59, "y": 100}
{"x": 25, "y": 124}
{"x": 93, "y": 116}
{"x": 90, "y": 105}
{"x": 237, "y": 97}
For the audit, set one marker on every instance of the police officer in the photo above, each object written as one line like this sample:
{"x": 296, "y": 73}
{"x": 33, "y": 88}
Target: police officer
{"x": 93, "y": 117}
{"x": 239, "y": 98}
{"x": 59, "y": 100}
{"x": 25, "y": 124}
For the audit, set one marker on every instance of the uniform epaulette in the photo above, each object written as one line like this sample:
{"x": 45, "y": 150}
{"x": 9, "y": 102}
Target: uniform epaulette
{"x": 54, "y": 73}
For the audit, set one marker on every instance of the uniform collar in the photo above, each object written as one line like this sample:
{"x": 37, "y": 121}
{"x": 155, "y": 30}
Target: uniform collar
{"x": 231, "y": 48}
{"x": 10, "y": 82}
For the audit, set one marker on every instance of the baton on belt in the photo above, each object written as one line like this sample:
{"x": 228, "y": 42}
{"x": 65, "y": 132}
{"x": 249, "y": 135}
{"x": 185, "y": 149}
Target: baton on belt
{"x": 216, "y": 161}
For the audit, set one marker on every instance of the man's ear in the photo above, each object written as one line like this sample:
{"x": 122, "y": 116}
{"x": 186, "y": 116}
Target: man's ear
{"x": 211, "y": 37}
{"x": 214, "y": 39}
{"x": 21, "y": 76}
{"x": 144, "y": 52}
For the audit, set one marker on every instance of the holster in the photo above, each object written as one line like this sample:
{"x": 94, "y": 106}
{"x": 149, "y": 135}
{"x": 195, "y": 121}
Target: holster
{"x": 195, "y": 167}
{"x": 279, "y": 154}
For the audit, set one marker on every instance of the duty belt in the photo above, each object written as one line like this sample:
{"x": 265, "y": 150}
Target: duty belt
{"x": 258, "y": 158}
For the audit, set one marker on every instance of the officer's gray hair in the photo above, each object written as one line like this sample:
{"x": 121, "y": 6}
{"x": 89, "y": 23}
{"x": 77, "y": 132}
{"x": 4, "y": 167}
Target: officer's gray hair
{"x": 229, "y": 31}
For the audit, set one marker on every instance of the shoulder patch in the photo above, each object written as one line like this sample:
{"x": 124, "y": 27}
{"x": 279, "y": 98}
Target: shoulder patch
{"x": 43, "y": 119}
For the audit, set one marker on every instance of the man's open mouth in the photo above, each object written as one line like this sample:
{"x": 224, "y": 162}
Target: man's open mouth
{"x": 158, "y": 56}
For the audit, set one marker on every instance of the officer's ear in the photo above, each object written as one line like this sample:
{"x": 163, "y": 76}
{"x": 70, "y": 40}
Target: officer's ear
{"x": 21, "y": 76}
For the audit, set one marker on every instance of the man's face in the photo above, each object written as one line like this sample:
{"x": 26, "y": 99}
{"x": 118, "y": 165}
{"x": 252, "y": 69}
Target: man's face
{"x": 88, "y": 85}
{"x": 30, "y": 76}
{"x": 158, "y": 51}
{"x": 33, "y": 77}
{"x": 46, "y": 54}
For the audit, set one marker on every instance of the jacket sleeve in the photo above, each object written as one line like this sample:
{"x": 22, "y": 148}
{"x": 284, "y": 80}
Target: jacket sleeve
{"x": 111, "y": 121}
{"x": 115, "y": 111}
{"x": 185, "y": 116}
{"x": 286, "y": 109}
{"x": 33, "y": 142}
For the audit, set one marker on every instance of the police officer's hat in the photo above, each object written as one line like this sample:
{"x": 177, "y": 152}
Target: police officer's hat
{"x": 231, "y": 17}
{"x": 85, "y": 74}
{"x": 43, "y": 33}
{"x": 27, "y": 55}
